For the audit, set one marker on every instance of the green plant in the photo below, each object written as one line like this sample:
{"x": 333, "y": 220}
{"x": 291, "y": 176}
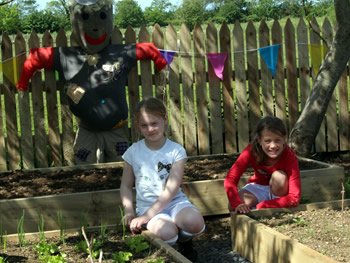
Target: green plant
{"x": 61, "y": 224}
{"x": 46, "y": 253}
{"x": 20, "y": 232}
{"x": 137, "y": 243}
{"x": 95, "y": 250}
{"x": 158, "y": 260}
{"x": 103, "y": 231}
{"x": 83, "y": 220}
{"x": 41, "y": 227}
{"x": 124, "y": 222}
{"x": 299, "y": 221}
{"x": 121, "y": 257}
{"x": 347, "y": 188}
{"x": 2, "y": 260}
{"x": 5, "y": 241}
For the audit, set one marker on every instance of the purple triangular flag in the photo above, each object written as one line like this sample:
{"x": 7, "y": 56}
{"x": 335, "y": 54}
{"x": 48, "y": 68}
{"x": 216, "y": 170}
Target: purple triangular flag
{"x": 168, "y": 56}
{"x": 270, "y": 55}
{"x": 217, "y": 61}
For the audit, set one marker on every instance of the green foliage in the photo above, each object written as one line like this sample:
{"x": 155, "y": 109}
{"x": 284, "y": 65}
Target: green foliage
{"x": 128, "y": 12}
{"x": 137, "y": 243}
{"x": 347, "y": 188}
{"x": 2, "y": 260}
{"x": 159, "y": 12}
{"x": 61, "y": 225}
{"x": 96, "y": 247}
{"x": 158, "y": 260}
{"x": 299, "y": 221}
{"x": 9, "y": 18}
{"x": 40, "y": 21}
{"x": 49, "y": 253}
{"x": 121, "y": 257}
{"x": 231, "y": 11}
{"x": 193, "y": 12}
{"x": 20, "y": 232}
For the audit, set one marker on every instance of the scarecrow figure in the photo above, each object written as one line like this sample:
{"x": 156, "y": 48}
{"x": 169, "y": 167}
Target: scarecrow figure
{"x": 94, "y": 75}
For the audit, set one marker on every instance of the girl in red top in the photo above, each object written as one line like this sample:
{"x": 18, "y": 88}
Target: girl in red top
{"x": 276, "y": 179}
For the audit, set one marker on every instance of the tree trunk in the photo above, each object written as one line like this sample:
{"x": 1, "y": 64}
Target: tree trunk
{"x": 306, "y": 128}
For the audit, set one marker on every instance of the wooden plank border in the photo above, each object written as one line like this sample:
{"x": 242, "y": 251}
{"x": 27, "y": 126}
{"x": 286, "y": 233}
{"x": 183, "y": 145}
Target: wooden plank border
{"x": 260, "y": 244}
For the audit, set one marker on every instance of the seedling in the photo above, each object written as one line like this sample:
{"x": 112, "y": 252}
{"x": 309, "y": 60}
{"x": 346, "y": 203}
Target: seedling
{"x": 46, "y": 253}
{"x": 121, "y": 257}
{"x": 20, "y": 232}
{"x": 124, "y": 221}
{"x": 158, "y": 260}
{"x": 2, "y": 260}
{"x": 299, "y": 221}
{"x": 62, "y": 228}
{"x": 137, "y": 243}
{"x": 5, "y": 241}
{"x": 103, "y": 231}
{"x": 41, "y": 227}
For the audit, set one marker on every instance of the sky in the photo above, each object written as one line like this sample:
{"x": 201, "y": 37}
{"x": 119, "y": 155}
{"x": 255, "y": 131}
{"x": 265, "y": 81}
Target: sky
{"x": 142, "y": 3}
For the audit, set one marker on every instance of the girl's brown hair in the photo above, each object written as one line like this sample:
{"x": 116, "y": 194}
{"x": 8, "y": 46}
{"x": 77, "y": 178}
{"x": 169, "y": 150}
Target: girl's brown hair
{"x": 150, "y": 105}
{"x": 272, "y": 124}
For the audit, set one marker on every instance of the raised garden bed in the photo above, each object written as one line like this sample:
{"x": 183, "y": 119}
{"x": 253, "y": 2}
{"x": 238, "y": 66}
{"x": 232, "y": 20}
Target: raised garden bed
{"x": 203, "y": 183}
{"x": 71, "y": 246}
{"x": 255, "y": 240}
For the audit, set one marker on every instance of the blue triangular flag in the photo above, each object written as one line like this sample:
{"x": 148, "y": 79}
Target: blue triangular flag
{"x": 270, "y": 55}
{"x": 167, "y": 55}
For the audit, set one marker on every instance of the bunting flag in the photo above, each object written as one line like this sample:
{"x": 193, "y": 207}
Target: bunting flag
{"x": 10, "y": 69}
{"x": 270, "y": 55}
{"x": 217, "y": 60}
{"x": 168, "y": 56}
{"x": 317, "y": 53}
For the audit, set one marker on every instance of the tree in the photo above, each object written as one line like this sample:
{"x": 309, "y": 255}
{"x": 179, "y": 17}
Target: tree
{"x": 192, "y": 12}
{"x": 231, "y": 10}
{"x": 128, "y": 12}
{"x": 5, "y": 2}
{"x": 9, "y": 18}
{"x": 159, "y": 12}
{"x": 306, "y": 128}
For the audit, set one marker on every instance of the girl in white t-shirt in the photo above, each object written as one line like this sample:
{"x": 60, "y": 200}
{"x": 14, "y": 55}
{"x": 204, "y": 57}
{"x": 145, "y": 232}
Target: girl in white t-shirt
{"x": 155, "y": 165}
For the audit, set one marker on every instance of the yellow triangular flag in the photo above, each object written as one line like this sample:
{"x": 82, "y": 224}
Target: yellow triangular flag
{"x": 10, "y": 69}
{"x": 317, "y": 53}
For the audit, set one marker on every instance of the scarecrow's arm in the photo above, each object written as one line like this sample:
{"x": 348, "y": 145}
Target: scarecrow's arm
{"x": 38, "y": 58}
{"x": 149, "y": 51}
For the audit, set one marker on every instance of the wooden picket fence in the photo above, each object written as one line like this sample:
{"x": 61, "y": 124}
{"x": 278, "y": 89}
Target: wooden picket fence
{"x": 207, "y": 115}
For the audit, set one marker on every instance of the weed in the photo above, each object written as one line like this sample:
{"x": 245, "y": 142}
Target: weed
{"x": 137, "y": 243}
{"x": 20, "y": 232}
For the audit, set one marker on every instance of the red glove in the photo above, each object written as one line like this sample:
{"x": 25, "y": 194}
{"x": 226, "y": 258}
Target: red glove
{"x": 149, "y": 51}
{"x": 38, "y": 58}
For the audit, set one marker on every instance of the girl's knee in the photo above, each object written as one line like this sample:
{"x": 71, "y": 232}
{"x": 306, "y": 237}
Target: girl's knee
{"x": 190, "y": 219}
{"x": 279, "y": 183}
{"x": 164, "y": 229}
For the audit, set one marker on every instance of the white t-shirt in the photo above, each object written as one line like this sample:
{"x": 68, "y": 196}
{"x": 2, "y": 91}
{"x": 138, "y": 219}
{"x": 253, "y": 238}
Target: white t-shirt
{"x": 151, "y": 169}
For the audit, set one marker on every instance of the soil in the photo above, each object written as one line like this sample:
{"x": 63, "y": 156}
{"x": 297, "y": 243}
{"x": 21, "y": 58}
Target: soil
{"x": 113, "y": 243}
{"x": 215, "y": 243}
{"x": 324, "y": 230}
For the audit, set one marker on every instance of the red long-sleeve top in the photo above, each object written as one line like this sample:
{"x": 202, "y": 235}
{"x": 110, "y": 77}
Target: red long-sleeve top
{"x": 288, "y": 163}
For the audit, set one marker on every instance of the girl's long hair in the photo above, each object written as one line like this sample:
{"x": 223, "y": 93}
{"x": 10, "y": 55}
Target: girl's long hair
{"x": 150, "y": 105}
{"x": 272, "y": 124}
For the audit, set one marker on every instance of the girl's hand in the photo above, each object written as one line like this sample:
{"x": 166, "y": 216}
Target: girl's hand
{"x": 138, "y": 223}
{"x": 242, "y": 209}
{"x": 127, "y": 218}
